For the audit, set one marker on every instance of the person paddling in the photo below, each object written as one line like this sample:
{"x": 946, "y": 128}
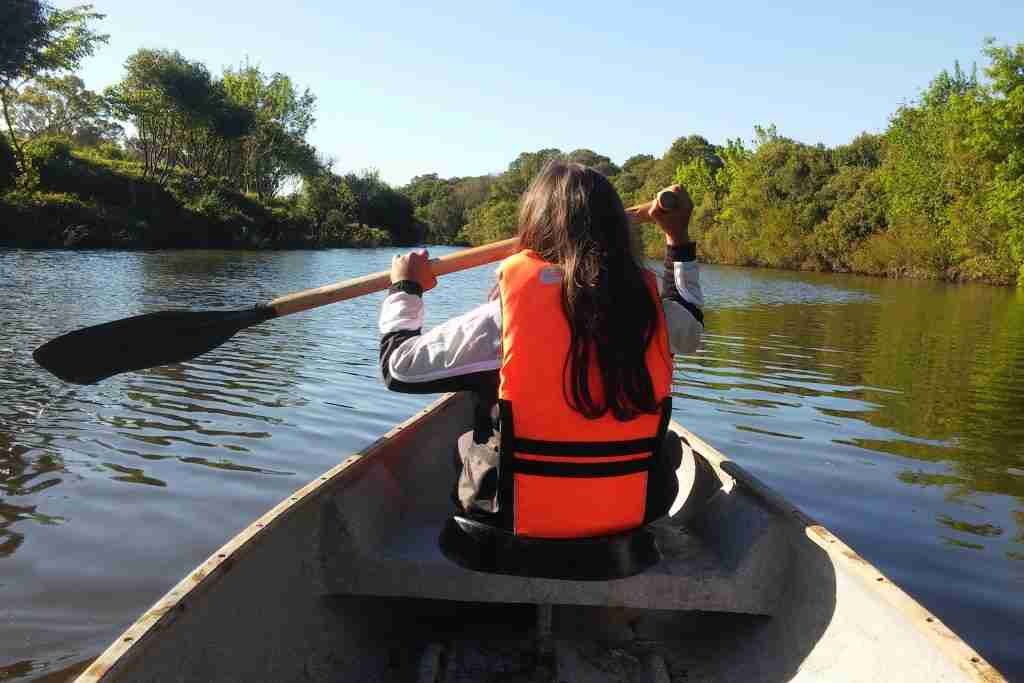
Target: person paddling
{"x": 570, "y": 361}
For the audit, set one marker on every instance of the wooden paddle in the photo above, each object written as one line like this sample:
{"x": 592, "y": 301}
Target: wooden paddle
{"x": 95, "y": 353}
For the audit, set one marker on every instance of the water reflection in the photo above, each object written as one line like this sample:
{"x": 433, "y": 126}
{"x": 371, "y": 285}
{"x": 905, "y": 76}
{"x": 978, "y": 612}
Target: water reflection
{"x": 895, "y": 416}
{"x": 936, "y": 368}
{"x": 9, "y": 514}
{"x": 133, "y": 475}
{"x": 890, "y": 410}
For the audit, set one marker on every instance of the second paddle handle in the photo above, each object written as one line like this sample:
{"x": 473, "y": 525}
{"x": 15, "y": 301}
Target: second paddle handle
{"x": 378, "y": 282}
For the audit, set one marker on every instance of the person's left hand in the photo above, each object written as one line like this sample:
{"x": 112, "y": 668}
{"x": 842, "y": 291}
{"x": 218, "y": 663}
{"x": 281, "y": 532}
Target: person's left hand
{"x": 675, "y": 223}
{"x": 414, "y": 266}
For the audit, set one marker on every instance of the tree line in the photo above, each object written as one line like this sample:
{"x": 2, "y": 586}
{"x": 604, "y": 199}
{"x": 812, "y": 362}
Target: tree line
{"x": 938, "y": 194}
{"x": 223, "y": 160}
{"x": 212, "y": 159}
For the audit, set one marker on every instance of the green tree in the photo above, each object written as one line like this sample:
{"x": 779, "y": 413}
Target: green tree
{"x": 276, "y": 148}
{"x": 598, "y": 162}
{"x": 391, "y": 210}
{"x": 858, "y": 211}
{"x": 698, "y": 178}
{"x": 64, "y": 107}
{"x": 423, "y": 189}
{"x": 443, "y": 206}
{"x": 775, "y": 200}
{"x": 865, "y": 150}
{"x": 945, "y": 157}
{"x": 8, "y": 166}
{"x": 24, "y": 32}
{"x": 364, "y": 187}
{"x": 473, "y": 191}
{"x": 491, "y": 221}
{"x": 1000, "y": 139}
{"x": 914, "y": 165}
{"x": 496, "y": 218}
{"x": 708, "y": 186}
{"x": 436, "y": 206}
{"x": 183, "y": 118}
{"x": 378, "y": 205}
{"x": 39, "y": 40}
{"x": 521, "y": 172}
{"x": 948, "y": 85}
{"x": 328, "y": 204}
{"x": 632, "y": 177}
{"x": 683, "y": 150}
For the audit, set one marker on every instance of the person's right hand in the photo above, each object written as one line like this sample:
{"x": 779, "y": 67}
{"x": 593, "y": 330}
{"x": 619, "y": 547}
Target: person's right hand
{"x": 414, "y": 266}
{"x": 675, "y": 223}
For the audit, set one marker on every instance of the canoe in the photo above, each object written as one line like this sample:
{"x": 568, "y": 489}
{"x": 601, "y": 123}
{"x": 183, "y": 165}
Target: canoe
{"x": 343, "y": 581}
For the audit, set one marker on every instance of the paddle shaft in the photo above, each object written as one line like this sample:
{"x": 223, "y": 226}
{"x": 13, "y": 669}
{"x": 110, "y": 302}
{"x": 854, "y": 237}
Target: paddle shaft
{"x": 376, "y": 282}
{"x": 92, "y": 354}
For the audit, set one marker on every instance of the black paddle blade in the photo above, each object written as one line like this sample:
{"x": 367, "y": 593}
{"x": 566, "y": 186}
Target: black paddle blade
{"x": 91, "y": 354}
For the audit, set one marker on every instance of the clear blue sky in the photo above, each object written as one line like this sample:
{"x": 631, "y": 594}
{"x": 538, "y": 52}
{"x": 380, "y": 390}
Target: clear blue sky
{"x": 462, "y": 88}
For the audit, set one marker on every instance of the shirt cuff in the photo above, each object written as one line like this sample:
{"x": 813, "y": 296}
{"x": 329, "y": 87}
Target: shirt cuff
{"x": 406, "y": 286}
{"x": 687, "y": 251}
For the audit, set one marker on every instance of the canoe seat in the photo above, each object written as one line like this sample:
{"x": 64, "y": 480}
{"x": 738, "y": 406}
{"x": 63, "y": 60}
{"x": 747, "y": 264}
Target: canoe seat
{"x": 737, "y": 571}
{"x": 484, "y": 548}
{"x": 378, "y": 536}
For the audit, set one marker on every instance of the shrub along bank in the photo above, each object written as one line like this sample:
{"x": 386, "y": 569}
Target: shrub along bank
{"x": 97, "y": 198}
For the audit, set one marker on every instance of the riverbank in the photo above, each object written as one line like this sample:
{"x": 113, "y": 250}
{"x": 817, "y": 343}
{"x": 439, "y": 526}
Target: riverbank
{"x": 882, "y": 256}
{"x": 95, "y": 198}
{"x": 78, "y": 198}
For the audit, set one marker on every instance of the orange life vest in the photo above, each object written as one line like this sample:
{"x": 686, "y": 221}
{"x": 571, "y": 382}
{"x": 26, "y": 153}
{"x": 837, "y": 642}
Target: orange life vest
{"x": 562, "y": 475}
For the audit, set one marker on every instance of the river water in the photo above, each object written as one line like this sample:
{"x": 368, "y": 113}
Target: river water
{"x": 892, "y": 411}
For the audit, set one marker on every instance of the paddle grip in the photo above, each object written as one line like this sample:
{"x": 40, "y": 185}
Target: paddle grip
{"x": 378, "y": 282}
{"x": 668, "y": 200}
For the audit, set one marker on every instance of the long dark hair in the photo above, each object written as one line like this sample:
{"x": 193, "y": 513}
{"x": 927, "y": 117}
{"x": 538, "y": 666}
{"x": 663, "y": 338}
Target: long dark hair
{"x": 573, "y": 217}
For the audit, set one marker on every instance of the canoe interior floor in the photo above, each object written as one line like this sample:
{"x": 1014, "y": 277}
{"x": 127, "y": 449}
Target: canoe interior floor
{"x": 451, "y": 642}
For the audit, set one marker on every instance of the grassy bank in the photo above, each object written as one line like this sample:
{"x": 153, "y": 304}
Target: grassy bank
{"x": 898, "y": 254}
{"x": 95, "y": 198}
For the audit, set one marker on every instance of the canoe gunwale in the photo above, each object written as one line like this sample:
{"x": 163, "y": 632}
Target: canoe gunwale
{"x": 844, "y": 557}
{"x": 132, "y": 644}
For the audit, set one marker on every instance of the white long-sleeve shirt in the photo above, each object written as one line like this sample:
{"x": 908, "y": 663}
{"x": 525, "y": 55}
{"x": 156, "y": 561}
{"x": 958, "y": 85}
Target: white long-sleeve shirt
{"x": 464, "y": 353}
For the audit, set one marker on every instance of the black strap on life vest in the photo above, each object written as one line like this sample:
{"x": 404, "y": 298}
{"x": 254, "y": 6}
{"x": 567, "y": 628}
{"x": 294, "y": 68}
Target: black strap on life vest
{"x": 586, "y": 449}
{"x": 509, "y": 464}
